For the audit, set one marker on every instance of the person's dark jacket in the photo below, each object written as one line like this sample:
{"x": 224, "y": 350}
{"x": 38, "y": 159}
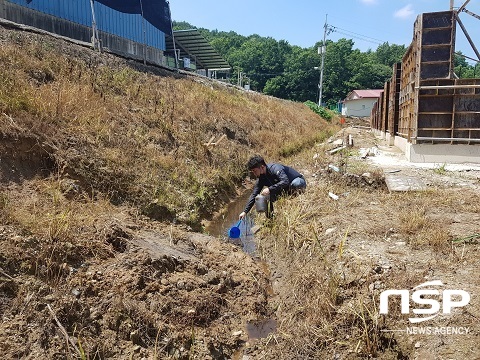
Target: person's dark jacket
{"x": 277, "y": 178}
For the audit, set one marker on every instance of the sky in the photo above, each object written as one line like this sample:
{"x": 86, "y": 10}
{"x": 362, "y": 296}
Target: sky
{"x": 367, "y": 22}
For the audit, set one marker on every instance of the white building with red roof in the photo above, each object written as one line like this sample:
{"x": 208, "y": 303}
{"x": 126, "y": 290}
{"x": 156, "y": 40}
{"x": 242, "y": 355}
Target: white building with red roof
{"x": 360, "y": 102}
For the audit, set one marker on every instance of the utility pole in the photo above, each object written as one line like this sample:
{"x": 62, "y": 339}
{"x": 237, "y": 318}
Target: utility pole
{"x": 95, "y": 38}
{"x": 322, "y": 50}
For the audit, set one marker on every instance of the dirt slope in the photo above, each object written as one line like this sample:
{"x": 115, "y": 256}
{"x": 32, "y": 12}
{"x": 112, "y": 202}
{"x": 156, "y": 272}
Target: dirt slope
{"x": 151, "y": 293}
{"x": 85, "y": 275}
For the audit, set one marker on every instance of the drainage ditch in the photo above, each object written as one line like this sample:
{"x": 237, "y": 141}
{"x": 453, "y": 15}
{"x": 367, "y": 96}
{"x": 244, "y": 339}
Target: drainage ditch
{"x": 260, "y": 328}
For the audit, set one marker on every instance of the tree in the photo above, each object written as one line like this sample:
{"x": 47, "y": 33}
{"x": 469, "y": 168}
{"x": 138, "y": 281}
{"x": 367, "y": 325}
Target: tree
{"x": 368, "y": 74}
{"x": 182, "y": 25}
{"x": 299, "y": 80}
{"x": 338, "y": 70}
{"x": 462, "y": 68}
{"x": 285, "y": 71}
{"x": 224, "y": 42}
{"x": 388, "y": 55}
{"x": 260, "y": 59}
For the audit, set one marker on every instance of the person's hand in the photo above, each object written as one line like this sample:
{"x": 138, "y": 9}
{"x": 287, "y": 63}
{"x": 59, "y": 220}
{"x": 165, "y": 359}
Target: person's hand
{"x": 242, "y": 215}
{"x": 265, "y": 192}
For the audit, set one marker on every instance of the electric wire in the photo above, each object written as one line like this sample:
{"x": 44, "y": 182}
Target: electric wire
{"x": 355, "y": 35}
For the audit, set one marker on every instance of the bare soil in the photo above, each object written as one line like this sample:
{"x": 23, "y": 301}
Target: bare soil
{"x": 451, "y": 253}
{"x": 159, "y": 291}
{"x": 129, "y": 287}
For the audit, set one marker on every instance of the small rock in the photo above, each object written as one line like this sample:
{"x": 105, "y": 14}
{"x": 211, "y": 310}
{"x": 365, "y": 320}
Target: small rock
{"x": 333, "y": 196}
{"x": 50, "y": 298}
{"x": 329, "y": 231}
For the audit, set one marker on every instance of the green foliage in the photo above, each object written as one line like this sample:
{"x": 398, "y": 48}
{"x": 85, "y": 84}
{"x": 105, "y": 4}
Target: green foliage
{"x": 281, "y": 70}
{"x": 182, "y": 25}
{"x": 441, "y": 169}
{"x": 340, "y": 65}
{"x": 320, "y": 110}
{"x": 276, "y": 68}
{"x": 389, "y": 54}
{"x": 299, "y": 70}
{"x": 260, "y": 59}
{"x": 463, "y": 69}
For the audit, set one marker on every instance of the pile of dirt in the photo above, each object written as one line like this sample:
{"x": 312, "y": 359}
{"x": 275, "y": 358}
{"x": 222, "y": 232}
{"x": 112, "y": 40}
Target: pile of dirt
{"x": 150, "y": 294}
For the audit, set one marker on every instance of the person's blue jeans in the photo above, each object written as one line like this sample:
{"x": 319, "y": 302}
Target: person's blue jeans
{"x": 298, "y": 183}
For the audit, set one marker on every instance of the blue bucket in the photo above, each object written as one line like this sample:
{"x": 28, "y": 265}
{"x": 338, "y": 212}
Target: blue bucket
{"x": 234, "y": 231}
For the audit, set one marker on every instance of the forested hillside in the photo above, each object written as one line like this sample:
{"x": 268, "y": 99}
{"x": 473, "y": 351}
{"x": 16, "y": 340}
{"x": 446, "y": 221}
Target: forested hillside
{"x": 282, "y": 70}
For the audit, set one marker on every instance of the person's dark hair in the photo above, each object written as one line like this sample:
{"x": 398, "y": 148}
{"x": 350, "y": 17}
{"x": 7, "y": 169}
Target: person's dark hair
{"x": 255, "y": 161}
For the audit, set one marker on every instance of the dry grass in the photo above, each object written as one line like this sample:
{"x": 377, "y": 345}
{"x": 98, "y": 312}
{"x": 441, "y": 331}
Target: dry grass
{"x": 137, "y": 137}
{"x": 119, "y": 136}
{"x": 316, "y": 242}
{"x": 412, "y": 219}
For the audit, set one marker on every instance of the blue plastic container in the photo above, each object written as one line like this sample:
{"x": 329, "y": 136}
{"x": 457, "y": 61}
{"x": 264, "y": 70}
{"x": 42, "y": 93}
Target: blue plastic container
{"x": 234, "y": 231}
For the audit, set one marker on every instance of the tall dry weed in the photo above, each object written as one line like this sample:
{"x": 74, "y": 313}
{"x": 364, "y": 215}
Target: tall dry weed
{"x": 138, "y": 137}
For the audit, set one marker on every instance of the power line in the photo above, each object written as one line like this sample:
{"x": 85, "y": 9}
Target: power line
{"x": 356, "y": 35}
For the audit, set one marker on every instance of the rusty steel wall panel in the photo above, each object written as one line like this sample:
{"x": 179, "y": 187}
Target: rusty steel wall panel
{"x": 384, "y": 110}
{"x": 449, "y": 109}
{"x": 424, "y": 101}
{"x": 467, "y": 120}
{"x": 437, "y": 37}
{"x": 373, "y": 116}
{"x": 408, "y": 81}
{"x": 435, "y": 54}
{"x": 434, "y": 120}
{"x": 437, "y": 44}
{"x": 435, "y": 104}
{"x": 467, "y": 104}
{"x": 435, "y": 109}
{"x": 393, "y": 98}
{"x": 433, "y": 71}
{"x": 432, "y": 103}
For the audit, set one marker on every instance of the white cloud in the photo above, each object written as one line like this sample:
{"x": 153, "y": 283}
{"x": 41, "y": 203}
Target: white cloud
{"x": 369, "y": 2}
{"x": 405, "y": 12}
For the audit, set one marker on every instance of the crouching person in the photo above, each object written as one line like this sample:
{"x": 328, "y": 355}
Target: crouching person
{"x": 273, "y": 181}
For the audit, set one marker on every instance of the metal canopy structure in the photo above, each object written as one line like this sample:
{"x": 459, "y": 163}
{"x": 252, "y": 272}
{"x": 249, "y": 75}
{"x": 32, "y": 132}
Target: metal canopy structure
{"x": 191, "y": 44}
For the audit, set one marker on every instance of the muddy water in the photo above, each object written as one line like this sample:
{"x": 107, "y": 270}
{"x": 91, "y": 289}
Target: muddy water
{"x": 261, "y": 328}
{"x": 221, "y": 226}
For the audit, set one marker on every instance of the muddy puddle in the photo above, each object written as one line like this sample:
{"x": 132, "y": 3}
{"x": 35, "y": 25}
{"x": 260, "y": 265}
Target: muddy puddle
{"x": 261, "y": 328}
{"x": 220, "y": 227}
